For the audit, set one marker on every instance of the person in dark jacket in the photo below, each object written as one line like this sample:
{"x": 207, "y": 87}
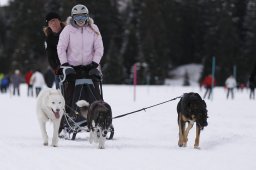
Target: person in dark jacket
{"x": 5, "y": 83}
{"x": 207, "y": 83}
{"x": 16, "y": 81}
{"x": 252, "y": 83}
{"x": 52, "y": 32}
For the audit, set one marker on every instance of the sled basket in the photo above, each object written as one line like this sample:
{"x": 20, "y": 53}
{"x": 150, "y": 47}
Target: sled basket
{"x": 85, "y": 88}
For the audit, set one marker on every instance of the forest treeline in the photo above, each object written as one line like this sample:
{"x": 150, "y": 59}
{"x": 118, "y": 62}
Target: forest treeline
{"x": 157, "y": 35}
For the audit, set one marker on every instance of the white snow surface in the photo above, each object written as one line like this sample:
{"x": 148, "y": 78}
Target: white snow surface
{"x": 4, "y": 2}
{"x": 142, "y": 141}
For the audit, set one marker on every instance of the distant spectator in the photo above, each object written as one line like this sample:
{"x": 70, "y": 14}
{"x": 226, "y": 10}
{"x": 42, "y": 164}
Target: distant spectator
{"x": 52, "y": 31}
{"x": 16, "y": 81}
{"x": 207, "y": 83}
{"x": 241, "y": 86}
{"x": 28, "y": 76}
{"x": 252, "y": 83}
{"x": 5, "y": 84}
{"x": 230, "y": 85}
{"x": 37, "y": 80}
{"x": 252, "y": 88}
{"x": 1, "y": 77}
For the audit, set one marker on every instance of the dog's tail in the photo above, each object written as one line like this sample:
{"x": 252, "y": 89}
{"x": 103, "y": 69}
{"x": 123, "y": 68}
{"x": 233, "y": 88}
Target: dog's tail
{"x": 82, "y": 103}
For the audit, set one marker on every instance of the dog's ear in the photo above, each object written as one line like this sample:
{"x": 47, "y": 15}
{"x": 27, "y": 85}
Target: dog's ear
{"x": 198, "y": 96}
{"x": 52, "y": 92}
{"x": 46, "y": 97}
{"x": 44, "y": 105}
{"x": 204, "y": 103}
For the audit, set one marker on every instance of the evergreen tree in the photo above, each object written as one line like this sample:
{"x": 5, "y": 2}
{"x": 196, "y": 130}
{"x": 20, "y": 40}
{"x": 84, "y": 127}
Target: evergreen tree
{"x": 25, "y": 42}
{"x": 222, "y": 38}
{"x": 248, "y": 58}
{"x": 157, "y": 35}
{"x": 113, "y": 69}
{"x": 156, "y": 52}
{"x": 5, "y": 60}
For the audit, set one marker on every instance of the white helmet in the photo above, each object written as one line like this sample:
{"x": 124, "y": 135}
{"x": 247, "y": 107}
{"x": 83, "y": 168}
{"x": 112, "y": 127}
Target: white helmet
{"x": 79, "y": 9}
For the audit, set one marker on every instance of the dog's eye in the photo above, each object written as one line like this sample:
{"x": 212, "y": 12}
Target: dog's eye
{"x": 59, "y": 102}
{"x": 53, "y": 102}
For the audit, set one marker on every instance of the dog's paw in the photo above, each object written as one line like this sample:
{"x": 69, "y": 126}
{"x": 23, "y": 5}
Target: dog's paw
{"x": 45, "y": 143}
{"x": 101, "y": 146}
{"x": 102, "y": 142}
{"x": 197, "y": 147}
{"x": 54, "y": 145}
{"x": 182, "y": 145}
{"x": 64, "y": 134}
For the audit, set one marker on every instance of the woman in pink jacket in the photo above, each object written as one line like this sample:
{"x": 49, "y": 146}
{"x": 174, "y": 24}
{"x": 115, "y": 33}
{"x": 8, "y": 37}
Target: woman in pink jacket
{"x": 80, "y": 42}
{"x": 80, "y": 46}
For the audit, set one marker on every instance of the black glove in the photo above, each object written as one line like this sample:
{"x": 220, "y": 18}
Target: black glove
{"x": 93, "y": 65}
{"x": 95, "y": 74}
{"x": 69, "y": 74}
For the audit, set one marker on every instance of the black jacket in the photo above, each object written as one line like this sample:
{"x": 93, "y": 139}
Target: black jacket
{"x": 51, "y": 49}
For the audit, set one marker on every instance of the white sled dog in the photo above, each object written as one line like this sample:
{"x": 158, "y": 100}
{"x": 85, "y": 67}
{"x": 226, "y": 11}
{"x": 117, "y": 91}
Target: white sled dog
{"x": 50, "y": 106}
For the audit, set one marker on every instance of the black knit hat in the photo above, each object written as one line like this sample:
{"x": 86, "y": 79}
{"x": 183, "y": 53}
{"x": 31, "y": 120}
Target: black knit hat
{"x": 50, "y": 16}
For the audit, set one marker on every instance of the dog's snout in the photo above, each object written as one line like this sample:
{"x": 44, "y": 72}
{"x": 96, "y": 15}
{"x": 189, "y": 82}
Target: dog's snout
{"x": 104, "y": 134}
{"x": 57, "y": 110}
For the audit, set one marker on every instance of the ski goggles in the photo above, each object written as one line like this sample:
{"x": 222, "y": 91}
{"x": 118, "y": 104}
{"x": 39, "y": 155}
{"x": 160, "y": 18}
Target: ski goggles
{"x": 80, "y": 18}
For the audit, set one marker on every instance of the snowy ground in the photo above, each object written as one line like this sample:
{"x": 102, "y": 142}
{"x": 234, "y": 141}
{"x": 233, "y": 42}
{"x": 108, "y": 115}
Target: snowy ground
{"x": 142, "y": 141}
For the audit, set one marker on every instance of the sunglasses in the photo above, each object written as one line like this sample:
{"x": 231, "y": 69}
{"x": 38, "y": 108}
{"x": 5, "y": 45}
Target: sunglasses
{"x": 80, "y": 18}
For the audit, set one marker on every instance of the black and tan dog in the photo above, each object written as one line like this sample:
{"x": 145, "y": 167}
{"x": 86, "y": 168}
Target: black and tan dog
{"x": 191, "y": 108}
{"x": 99, "y": 120}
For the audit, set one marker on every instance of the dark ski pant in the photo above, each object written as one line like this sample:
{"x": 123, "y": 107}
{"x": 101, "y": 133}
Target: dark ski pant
{"x": 16, "y": 89}
{"x": 38, "y": 89}
{"x": 252, "y": 93}
{"x": 230, "y": 91}
{"x": 208, "y": 91}
{"x": 30, "y": 90}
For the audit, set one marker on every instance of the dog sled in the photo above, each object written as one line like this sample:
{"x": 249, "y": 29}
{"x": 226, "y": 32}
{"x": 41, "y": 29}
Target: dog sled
{"x": 76, "y": 84}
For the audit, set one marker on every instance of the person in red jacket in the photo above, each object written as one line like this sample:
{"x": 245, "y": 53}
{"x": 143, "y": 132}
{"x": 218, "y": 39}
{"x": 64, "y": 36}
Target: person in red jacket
{"x": 30, "y": 86}
{"x": 207, "y": 83}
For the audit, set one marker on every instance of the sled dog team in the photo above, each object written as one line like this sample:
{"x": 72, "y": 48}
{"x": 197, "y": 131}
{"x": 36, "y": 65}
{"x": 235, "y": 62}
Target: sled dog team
{"x": 80, "y": 47}
{"x": 51, "y": 106}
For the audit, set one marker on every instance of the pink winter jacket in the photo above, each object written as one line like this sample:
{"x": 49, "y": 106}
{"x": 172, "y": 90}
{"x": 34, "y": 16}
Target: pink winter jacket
{"x": 80, "y": 46}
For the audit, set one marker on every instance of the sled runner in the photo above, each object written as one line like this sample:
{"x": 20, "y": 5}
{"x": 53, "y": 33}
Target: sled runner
{"x": 78, "y": 83}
